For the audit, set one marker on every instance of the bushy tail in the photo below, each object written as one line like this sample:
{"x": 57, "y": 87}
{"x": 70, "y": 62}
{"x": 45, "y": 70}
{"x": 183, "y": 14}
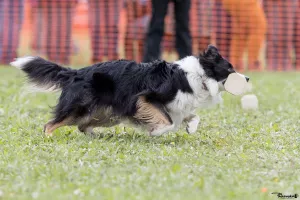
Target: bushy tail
{"x": 44, "y": 74}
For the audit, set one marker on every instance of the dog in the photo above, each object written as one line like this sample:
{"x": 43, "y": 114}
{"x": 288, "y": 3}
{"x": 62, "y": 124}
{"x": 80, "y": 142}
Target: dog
{"x": 158, "y": 96}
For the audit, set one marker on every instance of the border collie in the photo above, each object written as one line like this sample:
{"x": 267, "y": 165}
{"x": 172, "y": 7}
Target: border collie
{"x": 158, "y": 96}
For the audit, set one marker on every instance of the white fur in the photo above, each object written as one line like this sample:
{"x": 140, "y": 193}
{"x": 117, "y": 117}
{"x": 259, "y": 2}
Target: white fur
{"x": 33, "y": 88}
{"x": 162, "y": 130}
{"x": 43, "y": 88}
{"x": 196, "y": 76}
{"x": 190, "y": 64}
{"x": 22, "y": 61}
{"x": 192, "y": 124}
{"x": 212, "y": 86}
{"x": 184, "y": 103}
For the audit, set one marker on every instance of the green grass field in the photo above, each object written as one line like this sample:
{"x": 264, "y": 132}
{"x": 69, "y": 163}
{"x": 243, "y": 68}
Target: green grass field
{"x": 234, "y": 155}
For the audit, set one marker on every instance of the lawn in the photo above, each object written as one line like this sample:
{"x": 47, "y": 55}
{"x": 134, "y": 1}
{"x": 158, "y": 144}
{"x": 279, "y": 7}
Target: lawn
{"x": 234, "y": 155}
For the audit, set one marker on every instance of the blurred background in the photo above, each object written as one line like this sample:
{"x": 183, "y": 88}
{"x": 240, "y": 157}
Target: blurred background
{"x": 254, "y": 35}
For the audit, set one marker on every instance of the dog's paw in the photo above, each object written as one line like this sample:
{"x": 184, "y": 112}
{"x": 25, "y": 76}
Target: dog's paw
{"x": 191, "y": 129}
{"x": 192, "y": 125}
{"x": 46, "y": 131}
{"x": 161, "y": 130}
{"x": 48, "y": 135}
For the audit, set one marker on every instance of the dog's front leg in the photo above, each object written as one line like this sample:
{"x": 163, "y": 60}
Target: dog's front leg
{"x": 192, "y": 123}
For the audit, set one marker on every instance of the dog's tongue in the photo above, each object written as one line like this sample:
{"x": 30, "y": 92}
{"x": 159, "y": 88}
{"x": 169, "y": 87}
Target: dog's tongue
{"x": 235, "y": 84}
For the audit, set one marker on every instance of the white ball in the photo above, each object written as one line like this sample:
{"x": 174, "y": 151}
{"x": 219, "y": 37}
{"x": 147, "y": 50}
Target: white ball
{"x": 249, "y": 102}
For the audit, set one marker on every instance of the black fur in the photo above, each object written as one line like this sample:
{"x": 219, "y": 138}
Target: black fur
{"x": 214, "y": 65}
{"x": 117, "y": 84}
{"x": 45, "y": 73}
{"x": 105, "y": 93}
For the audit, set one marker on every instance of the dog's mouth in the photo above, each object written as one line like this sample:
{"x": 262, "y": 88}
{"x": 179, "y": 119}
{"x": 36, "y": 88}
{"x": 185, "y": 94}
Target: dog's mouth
{"x": 246, "y": 77}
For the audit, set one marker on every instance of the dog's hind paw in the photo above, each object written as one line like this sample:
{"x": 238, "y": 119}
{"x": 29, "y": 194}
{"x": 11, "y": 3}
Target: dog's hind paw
{"x": 161, "y": 130}
{"x": 47, "y": 132}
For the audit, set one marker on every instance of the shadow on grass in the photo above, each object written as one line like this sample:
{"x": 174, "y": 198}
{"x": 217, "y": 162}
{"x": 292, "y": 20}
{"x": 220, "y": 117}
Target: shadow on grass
{"x": 178, "y": 139}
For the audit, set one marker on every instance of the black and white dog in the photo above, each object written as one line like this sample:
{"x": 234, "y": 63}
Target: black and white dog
{"x": 158, "y": 96}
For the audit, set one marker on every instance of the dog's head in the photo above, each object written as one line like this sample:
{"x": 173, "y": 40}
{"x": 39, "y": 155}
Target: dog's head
{"x": 216, "y": 68}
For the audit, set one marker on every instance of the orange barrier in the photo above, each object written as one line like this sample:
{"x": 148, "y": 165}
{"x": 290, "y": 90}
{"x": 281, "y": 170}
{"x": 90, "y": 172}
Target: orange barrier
{"x": 252, "y": 34}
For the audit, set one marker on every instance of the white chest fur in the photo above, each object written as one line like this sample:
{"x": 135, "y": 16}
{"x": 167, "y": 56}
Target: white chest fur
{"x": 185, "y": 103}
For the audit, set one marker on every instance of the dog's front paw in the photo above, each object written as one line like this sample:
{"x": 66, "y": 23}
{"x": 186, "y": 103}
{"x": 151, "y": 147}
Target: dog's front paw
{"x": 192, "y": 125}
{"x": 191, "y": 129}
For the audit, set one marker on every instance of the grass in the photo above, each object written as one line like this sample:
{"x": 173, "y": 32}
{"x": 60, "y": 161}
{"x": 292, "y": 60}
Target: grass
{"x": 234, "y": 155}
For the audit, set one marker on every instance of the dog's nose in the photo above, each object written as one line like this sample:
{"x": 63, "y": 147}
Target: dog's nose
{"x": 247, "y": 78}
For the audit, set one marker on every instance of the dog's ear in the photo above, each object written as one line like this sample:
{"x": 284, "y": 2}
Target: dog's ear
{"x": 211, "y": 52}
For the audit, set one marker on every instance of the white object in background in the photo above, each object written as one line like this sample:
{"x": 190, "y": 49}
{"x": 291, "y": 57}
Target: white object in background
{"x": 249, "y": 102}
{"x": 236, "y": 84}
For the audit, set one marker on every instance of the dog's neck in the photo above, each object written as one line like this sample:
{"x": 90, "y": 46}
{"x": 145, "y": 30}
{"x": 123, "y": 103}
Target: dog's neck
{"x": 198, "y": 81}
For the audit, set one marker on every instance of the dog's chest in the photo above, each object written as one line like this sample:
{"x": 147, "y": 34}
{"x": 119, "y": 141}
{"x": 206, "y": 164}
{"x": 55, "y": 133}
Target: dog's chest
{"x": 184, "y": 104}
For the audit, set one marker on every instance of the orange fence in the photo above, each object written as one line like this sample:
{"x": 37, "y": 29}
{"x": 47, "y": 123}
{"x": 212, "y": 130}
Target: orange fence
{"x": 252, "y": 34}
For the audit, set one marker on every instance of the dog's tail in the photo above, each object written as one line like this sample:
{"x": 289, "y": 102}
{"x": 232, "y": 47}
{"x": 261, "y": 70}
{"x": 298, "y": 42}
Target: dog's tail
{"x": 44, "y": 74}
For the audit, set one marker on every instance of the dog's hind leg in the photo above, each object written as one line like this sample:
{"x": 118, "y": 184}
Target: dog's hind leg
{"x": 154, "y": 117}
{"x": 102, "y": 118}
{"x": 60, "y": 119}
{"x": 54, "y": 124}
{"x": 161, "y": 129}
{"x": 86, "y": 129}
